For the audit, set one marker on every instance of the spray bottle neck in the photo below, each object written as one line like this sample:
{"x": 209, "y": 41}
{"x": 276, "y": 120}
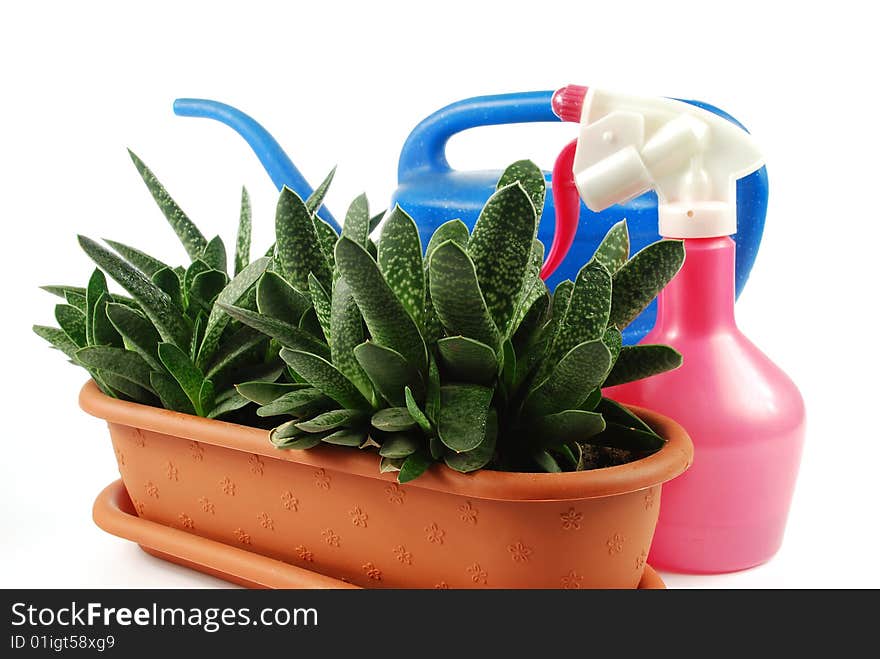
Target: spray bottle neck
{"x": 700, "y": 298}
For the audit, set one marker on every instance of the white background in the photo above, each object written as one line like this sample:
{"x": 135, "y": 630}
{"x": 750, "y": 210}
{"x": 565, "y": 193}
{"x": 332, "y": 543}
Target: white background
{"x": 345, "y": 84}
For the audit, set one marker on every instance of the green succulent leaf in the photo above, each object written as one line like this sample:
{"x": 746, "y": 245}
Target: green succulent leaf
{"x": 389, "y": 465}
{"x": 168, "y": 281}
{"x": 500, "y": 247}
{"x": 191, "y": 238}
{"x": 432, "y": 394}
{"x": 232, "y": 295}
{"x": 283, "y": 437}
{"x": 346, "y": 333}
{"x": 206, "y": 287}
{"x": 278, "y": 299}
{"x": 299, "y": 403}
{"x": 73, "y": 322}
{"x": 453, "y": 230}
{"x": 642, "y": 361}
{"x": 227, "y": 405}
{"x": 170, "y": 393}
{"x": 386, "y": 318}
{"x": 400, "y": 261}
{"x": 400, "y": 445}
{"x": 463, "y": 412}
{"x": 531, "y": 178}
{"x": 325, "y": 377}
{"x": 188, "y": 376}
{"x": 297, "y": 248}
{"x": 389, "y": 372}
{"x": 624, "y": 437}
{"x": 76, "y": 300}
{"x": 147, "y": 264}
{"x": 137, "y": 332}
{"x": 313, "y": 203}
{"x": 263, "y": 393}
{"x": 546, "y": 462}
{"x": 352, "y": 437}
{"x": 327, "y": 238}
{"x": 641, "y": 278}
{"x": 457, "y": 297}
{"x": 556, "y": 430}
{"x": 155, "y": 302}
{"x": 58, "y": 339}
{"x": 243, "y": 237}
{"x": 416, "y": 412}
{"x": 613, "y": 340}
{"x": 215, "y": 254}
{"x": 357, "y": 221}
{"x": 235, "y": 351}
{"x": 414, "y": 466}
{"x": 128, "y": 389}
{"x": 105, "y": 333}
{"x": 614, "y": 412}
{"x": 468, "y": 360}
{"x": 96, "y": 289}
{"x": 332, "y": 420}
{"x": 533, "y": 287}
{"x": 586, "y": 315}
{"x": 613, "y": 251}
{"x": 121, "y": 362}
{"x": 393, "y": 419}
{"x": 322, "y": 304}
{"x": 287, "y": 335}
{"x": 571, "y": 381}
{"x": 480, "y": 456}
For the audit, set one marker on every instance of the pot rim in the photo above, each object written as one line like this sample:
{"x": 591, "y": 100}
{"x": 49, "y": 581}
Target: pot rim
{"x": 664, "y": 465}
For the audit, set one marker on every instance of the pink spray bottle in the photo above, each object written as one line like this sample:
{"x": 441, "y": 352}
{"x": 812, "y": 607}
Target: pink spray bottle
{"x": 745, "y": 416}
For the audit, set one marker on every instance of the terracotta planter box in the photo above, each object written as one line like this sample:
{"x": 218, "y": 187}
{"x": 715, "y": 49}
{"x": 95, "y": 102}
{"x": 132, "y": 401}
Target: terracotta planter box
{"x": 330, "y": 511}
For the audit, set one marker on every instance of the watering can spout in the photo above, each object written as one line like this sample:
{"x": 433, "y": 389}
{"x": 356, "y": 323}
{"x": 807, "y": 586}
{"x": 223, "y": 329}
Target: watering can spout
{"x": 280, "y": 168}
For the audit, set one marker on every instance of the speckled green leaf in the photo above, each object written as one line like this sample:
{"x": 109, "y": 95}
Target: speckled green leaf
{"x": 243, "y": 237}
{"x": 614, "y": 412}
{"x": 463, "y": 411}
{"x": 137, "y": 332}
{"x": 613, "y": 251}
{"x": 332, "y": 420}
{"x": 128, "y": 389}
{"x": 346, "y": 333}
{"x": 325, "y": 377}
{"x": 389, "y": 372}
{"x": 300, "y": 403}
{"x": 357, "y": 221}
{"x": 500, "y": 246}
{"x": 297, "y": 248}
{"x": 168, "y": 281}
{"x": 641, "y": 278}
{"x": 480, "y": 456}
{"x": 327, "y": 238}
{"x": 231, "y": 295}
{"x": 76, "y": 300}
{"x": 278, "y": 299}
{"x": 555, "y": 430}
{"x": 195, "y": 268}
{"x": 467, "y": 360}
{"x": 386, "y": 318}
{"x": 414, "y": 466}
{"x": 188, "y": 376}
{"x": 237, "y": 350}
{"x": 586, "y": 315}
{"x": 571, "y": 381}
{"x": 546, "y": 462}
{"x": 416, "y": 412}
{"x": 400, "y": 261}
{"x": 400, "y": 445}
{"x": 227, "y": 405}
{"x": 532, "y": 180}
{"x": 624, "y": 437}
{"x": 170, "y": 393}
{"x": 313, "y": 203}
{"x": 376, "y": 220}
{"x": 96, "y": 288}
{"x": 73, "y": 322}
{"x": 432, "y": 391}
{"x": 140, "y": 260}
{"x": 322, "y": 305}
{"x": 191, "y": 238}
{"x": 104, "y": 332}
{"x": 309, "y": 322}
{"x": 287, "y": 335}
{"x": 263, "y": 393}
{"x": 155, "y": 302}
{"x": 58, "y": 339}
{"x": 215, "y": 254}
{"x": 456, "y": 295}
{"x": 454, "y": 230}
{"x": 351, "y": 437}
{"x": 288, "y": 436}
{"x": 642, "y": 361}
{"x": 206, "y": 397}
{"x": 393, "y": 419}
{"x": 124, "y": 363}
{"x": 533, "y": 287}
{"x": 206, "y": 287}
{"x": 613, "y": 340}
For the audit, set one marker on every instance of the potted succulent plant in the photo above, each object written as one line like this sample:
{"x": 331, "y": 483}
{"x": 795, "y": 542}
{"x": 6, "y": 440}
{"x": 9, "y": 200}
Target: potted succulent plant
{"x": 451, "y": 405}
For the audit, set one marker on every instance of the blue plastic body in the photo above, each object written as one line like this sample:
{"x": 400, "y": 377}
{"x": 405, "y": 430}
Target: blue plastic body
{"x": 432, "y": 192}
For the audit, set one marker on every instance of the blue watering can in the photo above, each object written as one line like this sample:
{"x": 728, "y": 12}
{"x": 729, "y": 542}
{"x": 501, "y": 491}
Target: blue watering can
{"x": 432, "y": 192}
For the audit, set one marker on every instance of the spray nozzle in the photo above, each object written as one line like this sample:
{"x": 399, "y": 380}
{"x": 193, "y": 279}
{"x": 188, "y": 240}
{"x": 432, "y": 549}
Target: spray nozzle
{"x": 689, "y": 156}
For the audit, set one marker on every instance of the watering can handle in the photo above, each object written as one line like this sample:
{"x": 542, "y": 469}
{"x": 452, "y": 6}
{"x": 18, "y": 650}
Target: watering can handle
{"x": 425, "y": 149}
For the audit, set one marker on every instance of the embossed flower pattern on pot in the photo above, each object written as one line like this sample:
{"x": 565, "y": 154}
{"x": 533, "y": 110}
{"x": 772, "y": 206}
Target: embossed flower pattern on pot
{"x": 255, "y": 462}
{"x": 571, "y": 520}
{"x": 572, "y": 581}
{"x": 395, "y": 493}
{"x": 266, "y": 521}
{"x": 197, "y": 451}
{"x": 434, "y": 534}
{"x": 243, "y": 537}
{"x": 227, "y": 486}
{"x": 519, "y": 552}
{"x": 330, "y": 537}
{"x": 288, "y": 501}
{"x": 403, "y": 555}
{"x": 372, "y": 571}
{"x": 467, "y": 513}
{"x": 186, "y": 521}
{"x": 478, "y": 574}
{"x": 207, "y": 505}
{"x": 171, "y": 471}
{"x": 322, "y": 479}
{"x": 358, "y": 517}
{"x": 151, "y": 489}
{"x": 615, "y": 544}
{"x": 304, "y": 554}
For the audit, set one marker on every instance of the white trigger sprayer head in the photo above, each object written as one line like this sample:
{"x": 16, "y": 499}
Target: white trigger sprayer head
{"x": 691, "y": 157}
